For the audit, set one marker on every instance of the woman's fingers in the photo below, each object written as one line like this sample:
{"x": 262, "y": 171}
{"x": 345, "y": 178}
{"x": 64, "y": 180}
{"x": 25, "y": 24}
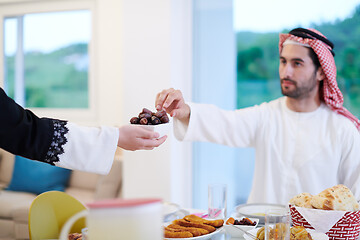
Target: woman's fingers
{"x": 149, "y": 144}
{"x": 146, "y": 133}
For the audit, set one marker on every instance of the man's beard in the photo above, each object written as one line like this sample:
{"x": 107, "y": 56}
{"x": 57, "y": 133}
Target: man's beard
{"x": 299, "y": 92}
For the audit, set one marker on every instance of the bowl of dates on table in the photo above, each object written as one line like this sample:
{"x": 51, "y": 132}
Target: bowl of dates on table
{"x": 158, "y": 121}
{"x": 243, "y": 223}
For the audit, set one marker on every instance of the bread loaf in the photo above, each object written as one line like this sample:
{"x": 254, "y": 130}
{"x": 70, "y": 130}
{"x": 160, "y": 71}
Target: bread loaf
{"x": 338, "y": 197}
{"x": 302, "y": 200}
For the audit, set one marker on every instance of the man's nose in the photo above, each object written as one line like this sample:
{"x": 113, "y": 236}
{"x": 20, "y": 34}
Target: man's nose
{"x": 286, "y": 71}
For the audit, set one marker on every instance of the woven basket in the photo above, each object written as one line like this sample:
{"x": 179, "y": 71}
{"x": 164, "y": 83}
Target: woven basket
{"x": 348, "y": 227}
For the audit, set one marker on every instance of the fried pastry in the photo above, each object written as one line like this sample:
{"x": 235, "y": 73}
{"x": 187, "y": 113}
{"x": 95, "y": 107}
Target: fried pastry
{"x": 185, "y": 223}
{"x": 194, "y": 231}
{"x": 174, "y": 233}
{"x": 215, "y": 223}
{"x": 260, "y": 234}
{"x": 299, "y": 233}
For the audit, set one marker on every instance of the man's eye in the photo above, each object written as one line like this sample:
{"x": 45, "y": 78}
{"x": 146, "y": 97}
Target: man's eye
{"x": 297, "y": 63}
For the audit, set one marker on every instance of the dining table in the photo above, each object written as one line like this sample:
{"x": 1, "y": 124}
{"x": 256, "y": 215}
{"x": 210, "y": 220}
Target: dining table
{"x": 221, "y": 235}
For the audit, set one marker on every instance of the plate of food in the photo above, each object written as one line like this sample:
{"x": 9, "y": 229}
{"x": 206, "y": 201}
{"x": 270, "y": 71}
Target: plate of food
{"x": 244, "y": 223}
{"x": 296, "y": 233}
{"x": 192, "y": 227}
{"x": 256, "y": 210}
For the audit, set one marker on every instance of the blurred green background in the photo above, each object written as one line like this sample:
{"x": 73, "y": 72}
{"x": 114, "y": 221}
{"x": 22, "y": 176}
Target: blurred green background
{"x": 258, "y": 61}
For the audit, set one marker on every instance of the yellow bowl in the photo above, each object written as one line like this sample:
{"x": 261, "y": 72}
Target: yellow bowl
{"x": 48, "y": 213}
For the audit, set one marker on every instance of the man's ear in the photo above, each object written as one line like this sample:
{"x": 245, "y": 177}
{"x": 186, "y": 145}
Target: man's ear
{"x": 320, "y": 75}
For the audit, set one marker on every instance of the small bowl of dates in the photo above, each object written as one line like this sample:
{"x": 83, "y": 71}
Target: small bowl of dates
{"x": 156, "y": 121}
{"x": 243, "y": 223}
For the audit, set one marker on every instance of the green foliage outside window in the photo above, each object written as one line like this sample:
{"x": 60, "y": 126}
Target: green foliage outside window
{"x": 258, "y": 61}
{"x": 58, "y": 79}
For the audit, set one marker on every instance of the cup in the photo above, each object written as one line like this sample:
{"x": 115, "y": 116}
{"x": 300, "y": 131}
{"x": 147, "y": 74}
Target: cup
{"x": 132, "y": 219}
{"x": 277, "y": 224}
{"x": 217, "y": 201}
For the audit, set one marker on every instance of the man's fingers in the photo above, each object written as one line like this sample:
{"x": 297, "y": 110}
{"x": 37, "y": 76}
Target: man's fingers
{"x": 172, "y": 98}
{"x": 161, "y": 97}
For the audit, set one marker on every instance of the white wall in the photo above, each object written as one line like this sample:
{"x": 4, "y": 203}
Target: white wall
{"x": 139, "y": 47}
{"x": 156, "y": 55}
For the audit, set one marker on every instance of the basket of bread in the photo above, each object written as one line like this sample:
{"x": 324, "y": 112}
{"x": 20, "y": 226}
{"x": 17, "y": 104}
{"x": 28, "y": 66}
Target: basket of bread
{"x": 333, "y": 211}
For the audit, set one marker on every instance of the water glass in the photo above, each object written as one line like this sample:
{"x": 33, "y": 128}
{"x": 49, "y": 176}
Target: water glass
{"x": 217, "y": 201}
{"x": 277, "y": 224}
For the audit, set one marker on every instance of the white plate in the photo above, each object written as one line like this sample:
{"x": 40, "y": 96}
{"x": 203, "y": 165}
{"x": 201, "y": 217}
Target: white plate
{"x": 314, "y": 235}
{"x": 177, "y": 215}
{"x": 256, "y": 210}
{"x": 203, "y": 237}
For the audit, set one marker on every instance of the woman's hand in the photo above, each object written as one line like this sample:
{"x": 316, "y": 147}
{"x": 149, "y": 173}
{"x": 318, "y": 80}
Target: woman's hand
{"x": 136, "y": 138}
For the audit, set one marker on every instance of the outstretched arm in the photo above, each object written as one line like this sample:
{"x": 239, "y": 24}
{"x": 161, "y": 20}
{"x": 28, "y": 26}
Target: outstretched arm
{"x": 66, "y": 144}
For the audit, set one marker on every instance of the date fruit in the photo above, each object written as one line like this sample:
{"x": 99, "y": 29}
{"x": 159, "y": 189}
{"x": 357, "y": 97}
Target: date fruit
{"x": 147, "y": 117}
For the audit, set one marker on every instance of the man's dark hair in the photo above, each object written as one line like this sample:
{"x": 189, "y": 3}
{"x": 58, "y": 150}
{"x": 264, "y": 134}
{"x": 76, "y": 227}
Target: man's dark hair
{"x": 314, "y": 58}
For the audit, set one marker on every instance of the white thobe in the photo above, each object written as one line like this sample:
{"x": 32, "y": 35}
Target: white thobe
{"x": 295, "y": 151}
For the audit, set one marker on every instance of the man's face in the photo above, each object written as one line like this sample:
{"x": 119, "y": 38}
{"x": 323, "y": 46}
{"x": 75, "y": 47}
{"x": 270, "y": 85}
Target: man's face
{"x": 298, "y": 76}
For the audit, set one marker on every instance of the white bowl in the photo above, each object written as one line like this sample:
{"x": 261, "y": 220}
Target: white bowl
{"x": 163, "y": 128}
{"x": 236, "y": 233}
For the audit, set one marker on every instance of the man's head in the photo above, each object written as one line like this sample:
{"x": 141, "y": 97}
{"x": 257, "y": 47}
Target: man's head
{"x": 300, "y": 71}
{"x": 309, "y": 74}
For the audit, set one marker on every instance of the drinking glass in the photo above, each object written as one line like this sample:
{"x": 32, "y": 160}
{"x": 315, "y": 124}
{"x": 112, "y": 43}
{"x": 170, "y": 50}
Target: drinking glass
{"x": 217, "y": 201}
{"x": 277, "y": 224}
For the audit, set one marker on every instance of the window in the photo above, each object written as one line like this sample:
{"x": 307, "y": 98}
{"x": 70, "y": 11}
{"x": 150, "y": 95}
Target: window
{"x": 47, "y": 60}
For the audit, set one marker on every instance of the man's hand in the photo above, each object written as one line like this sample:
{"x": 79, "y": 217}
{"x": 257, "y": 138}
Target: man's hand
{"x": 173, "y": 102}
{"x": 136, "y": 138}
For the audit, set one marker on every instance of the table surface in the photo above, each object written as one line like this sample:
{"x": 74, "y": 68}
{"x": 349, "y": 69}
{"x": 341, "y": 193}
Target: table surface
{"x": 220, "y": 236}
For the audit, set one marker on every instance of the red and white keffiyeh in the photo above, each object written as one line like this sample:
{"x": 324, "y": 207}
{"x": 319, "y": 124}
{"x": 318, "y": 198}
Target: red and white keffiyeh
{"x": 331, "y": 93}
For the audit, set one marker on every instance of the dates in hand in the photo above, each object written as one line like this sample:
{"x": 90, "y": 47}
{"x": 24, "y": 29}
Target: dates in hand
{"x": 147, "y": 117}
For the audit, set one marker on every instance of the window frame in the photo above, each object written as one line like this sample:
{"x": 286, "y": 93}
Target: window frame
{"x": 15, "y": 8}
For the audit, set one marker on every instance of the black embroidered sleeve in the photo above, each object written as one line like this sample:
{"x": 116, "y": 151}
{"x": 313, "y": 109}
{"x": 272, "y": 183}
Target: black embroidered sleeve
{"x": 25, "y": 134}
{"x": 57, "y": 142}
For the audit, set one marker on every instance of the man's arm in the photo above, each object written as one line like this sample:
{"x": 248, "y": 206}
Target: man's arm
{"x": 208, "y": 123}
